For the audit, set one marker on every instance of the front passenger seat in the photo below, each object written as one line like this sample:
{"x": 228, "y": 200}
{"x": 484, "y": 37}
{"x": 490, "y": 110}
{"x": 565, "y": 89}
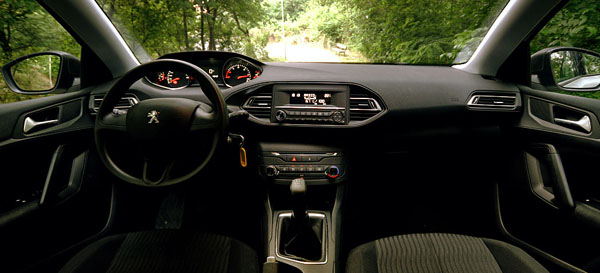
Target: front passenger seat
{"x": 439, "y": 252}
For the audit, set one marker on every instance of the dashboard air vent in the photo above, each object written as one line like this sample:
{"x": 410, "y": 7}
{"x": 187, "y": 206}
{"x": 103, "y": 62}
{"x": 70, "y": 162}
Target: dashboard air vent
{"x": 493, "y": 101}
{"x": 123, "y": 104}
{"x": 259, "y": 105}
{"x": 363, "y": 106}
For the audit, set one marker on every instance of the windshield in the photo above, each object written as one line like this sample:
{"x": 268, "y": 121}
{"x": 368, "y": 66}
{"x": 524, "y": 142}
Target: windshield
{"x": 354, "y": 31}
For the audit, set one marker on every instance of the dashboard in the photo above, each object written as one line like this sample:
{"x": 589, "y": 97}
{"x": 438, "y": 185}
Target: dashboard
{"x": 226, "y": 69}
{"x": 332, "y": 95}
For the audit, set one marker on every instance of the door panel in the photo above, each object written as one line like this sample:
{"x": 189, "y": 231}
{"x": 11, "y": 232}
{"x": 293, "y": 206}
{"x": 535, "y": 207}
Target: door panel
{"x": 55, "y": 194}
{"x": 550, "y": 198}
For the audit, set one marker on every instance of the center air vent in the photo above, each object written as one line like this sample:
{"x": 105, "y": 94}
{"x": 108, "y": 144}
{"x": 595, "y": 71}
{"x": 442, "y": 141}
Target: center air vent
{"x": 259, "y": 105}
{"x": 363, "y": 105}
{"x": 493, "y": 101}
{"x": 123, "y": 104}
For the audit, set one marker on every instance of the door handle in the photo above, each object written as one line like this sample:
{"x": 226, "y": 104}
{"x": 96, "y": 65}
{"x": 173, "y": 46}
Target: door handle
{"x": 584, "y": 123}
{"x": 555, "y": 190}
{"x": 30, "y": 124}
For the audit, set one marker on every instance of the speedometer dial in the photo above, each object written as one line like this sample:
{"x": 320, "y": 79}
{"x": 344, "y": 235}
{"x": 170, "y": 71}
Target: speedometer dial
{"x": 237, "y": 74}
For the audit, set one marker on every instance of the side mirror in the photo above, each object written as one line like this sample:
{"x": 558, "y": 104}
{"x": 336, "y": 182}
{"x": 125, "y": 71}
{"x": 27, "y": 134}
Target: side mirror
{"x": 566, "y": 69}
{"x": 42, "y": 73}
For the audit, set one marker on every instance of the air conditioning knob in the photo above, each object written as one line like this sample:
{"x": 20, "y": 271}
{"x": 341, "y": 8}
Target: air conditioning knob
{"x": 280, "y": 115}
{"x": 338, "y": 117}
{"x": 271, "y": 171}
{"x": 333, "y": 171}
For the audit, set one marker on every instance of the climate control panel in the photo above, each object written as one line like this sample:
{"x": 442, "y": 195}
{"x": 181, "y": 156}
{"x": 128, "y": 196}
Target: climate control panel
{"x": 306, "y": 171}
{"x": 315, "y": 167}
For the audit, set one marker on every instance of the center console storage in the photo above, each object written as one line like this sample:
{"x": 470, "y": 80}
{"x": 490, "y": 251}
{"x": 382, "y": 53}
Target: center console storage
{"x": 303, "y": 208}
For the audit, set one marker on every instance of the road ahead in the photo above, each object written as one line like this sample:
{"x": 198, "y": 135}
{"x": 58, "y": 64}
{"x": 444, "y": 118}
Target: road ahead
{"x": 302, "y": 53}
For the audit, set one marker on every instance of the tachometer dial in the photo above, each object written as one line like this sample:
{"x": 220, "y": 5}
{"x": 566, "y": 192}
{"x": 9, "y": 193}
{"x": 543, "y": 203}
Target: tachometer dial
{"x": 177, "y": 79}
{"x": 237, "y": 74}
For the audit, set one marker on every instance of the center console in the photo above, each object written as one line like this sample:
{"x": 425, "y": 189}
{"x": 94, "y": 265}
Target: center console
{"x": 306, "y": 185}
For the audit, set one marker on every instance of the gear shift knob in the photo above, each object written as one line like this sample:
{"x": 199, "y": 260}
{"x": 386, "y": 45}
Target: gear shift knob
{"x": 298, "y": 190}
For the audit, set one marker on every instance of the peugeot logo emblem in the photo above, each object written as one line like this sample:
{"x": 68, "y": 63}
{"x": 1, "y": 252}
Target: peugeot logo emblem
{"x": 153, "y": 115}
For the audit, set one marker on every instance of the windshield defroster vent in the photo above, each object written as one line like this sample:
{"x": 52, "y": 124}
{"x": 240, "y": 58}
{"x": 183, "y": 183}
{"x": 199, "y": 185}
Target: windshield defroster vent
{"x": 493, "y": 101}
{"x": 259, "y": 105}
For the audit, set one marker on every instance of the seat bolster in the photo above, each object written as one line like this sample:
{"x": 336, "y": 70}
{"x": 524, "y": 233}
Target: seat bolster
{"x": 362, "y": 259}
{"x": 512, "y": 259}
{"x": 242, "y": 258}
{"x": 97, "y": 257}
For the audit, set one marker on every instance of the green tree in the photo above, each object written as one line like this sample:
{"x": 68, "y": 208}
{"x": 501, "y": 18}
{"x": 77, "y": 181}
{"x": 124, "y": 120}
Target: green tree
{"x": 576, "y": 25}
{"x": 170, "y": 26}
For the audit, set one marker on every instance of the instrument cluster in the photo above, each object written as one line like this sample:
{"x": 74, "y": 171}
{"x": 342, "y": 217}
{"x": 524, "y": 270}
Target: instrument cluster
{"x": 226, "y": 72}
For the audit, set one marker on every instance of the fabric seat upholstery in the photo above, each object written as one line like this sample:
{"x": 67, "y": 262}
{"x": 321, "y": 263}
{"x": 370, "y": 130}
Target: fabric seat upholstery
{"x": 164, "y": 251}
{"x": 438, "y": 252}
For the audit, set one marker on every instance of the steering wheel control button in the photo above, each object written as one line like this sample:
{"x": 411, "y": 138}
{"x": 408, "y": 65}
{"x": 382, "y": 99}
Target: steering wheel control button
{"x": 333, "y": 172}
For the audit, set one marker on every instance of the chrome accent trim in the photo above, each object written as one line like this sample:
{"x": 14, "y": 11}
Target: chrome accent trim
{"x": 375, "y": 103}
{"x": 325, "y": 239}
{"x": 247, "y": 103}
{"x": 473, "y": 102}
{"x": 584, "y": 123}
{"x": 30, "y": 124}
{"x": 131, "y": 99}
{"x": 310, "y": 107}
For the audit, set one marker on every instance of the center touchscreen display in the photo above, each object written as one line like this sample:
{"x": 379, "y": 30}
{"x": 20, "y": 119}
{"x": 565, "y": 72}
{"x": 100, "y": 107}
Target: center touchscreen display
{"x": 310, "y": 98}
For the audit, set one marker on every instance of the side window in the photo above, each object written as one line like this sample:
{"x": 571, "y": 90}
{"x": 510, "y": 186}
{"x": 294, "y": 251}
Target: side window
{"x": 566, "y": 52}
{"x": 26, "y": 28}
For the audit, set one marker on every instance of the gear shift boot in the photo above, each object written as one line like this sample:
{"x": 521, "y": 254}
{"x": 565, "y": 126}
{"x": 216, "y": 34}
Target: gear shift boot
{"x": 301, "y": 234}
{"x": 302, "y": 240}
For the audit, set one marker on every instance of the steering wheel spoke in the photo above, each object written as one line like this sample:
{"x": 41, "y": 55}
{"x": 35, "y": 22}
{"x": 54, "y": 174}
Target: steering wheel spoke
{"x": 112, "y": 122}
{"x": 204, "y": 118}
{"x": 165, "y": 170}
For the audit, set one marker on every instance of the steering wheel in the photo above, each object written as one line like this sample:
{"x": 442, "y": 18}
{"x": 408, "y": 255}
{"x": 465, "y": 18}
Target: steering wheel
{"x": 160, "y": 126}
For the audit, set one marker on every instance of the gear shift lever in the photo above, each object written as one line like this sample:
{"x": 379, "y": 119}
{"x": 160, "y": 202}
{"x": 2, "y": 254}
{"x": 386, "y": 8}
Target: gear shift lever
{"x": 298, "y": 190}
{"x": 301, "y": 235}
